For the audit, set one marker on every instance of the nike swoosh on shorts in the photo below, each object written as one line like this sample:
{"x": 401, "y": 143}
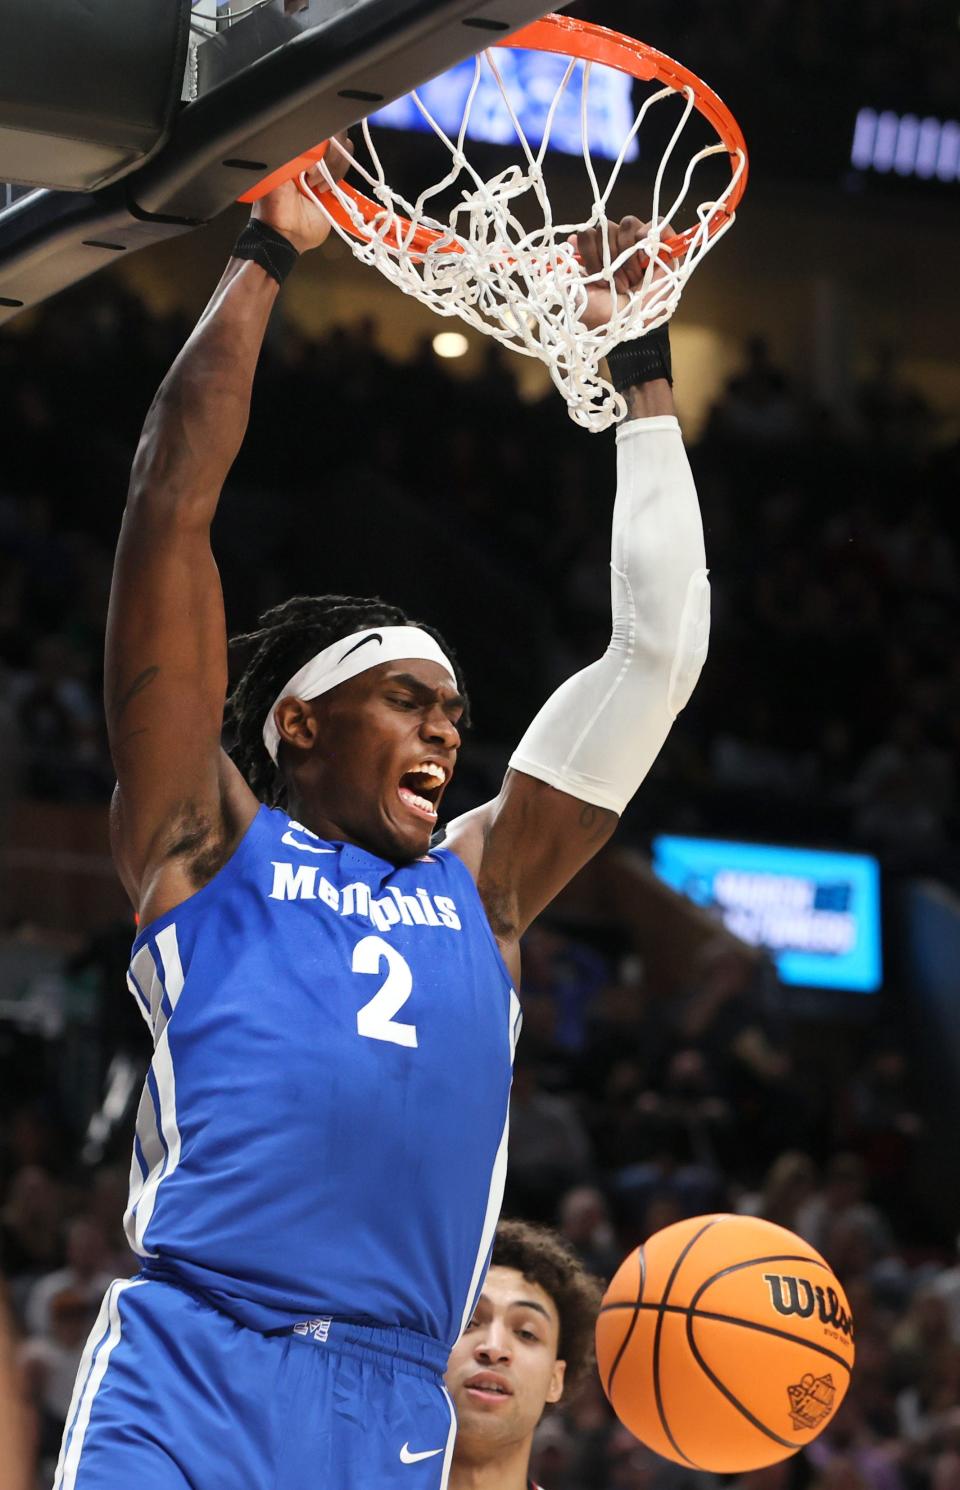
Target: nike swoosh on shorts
{"x": 407, "y": 1458}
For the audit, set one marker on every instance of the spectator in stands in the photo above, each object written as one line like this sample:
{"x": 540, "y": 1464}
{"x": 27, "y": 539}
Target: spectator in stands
{"x": 724, "y": 1013}
{"x": 904, "y": 788}
{"x": 788, "y": 1184}
{"x": 945, "y": 1466}
{"x": 570, "y": 973}
{"x": 30, "y": 1244}
{"x": 928, "y": 1395}
{"x": 877, "y": 1117}
{"x": 758, "y": 405}
{"x": 550, "y": 1150}
{"x": 86, "y": 1275}
{"x": 588, "y": 1422}
{"x": 921, "y": 1343}
{"x": 11, "y": 748}
{"x": 59, "y": 725}
{"x": 690, "y": 1109}
{"x": 896, "y": 418}
{"x": 843, "y": 1198}
{"x": 49, "y": 1363}
{"x": 586, "y": 1226}
{"x": 849, "y": 1452}
{"x": 947, "y": 1284}
{"x": 680, "y": 1133}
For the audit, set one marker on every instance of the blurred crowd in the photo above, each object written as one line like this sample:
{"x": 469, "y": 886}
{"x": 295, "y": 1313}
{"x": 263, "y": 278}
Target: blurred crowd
{"x": 831, "y": 704}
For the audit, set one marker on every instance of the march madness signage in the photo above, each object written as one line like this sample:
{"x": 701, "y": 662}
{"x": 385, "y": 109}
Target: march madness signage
{"x": 816, "y": 911}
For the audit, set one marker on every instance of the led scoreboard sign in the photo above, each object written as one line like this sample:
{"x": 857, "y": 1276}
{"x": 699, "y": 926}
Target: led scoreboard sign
{"x": 906, "y": 145}
{"x": 817, "y": 912}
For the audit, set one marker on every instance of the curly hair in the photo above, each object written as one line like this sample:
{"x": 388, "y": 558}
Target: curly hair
{"x": 287, "y": 636}
{"x": 543, "y": 1257}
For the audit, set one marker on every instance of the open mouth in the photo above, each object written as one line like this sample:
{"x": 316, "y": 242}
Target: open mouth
{"x": 422, "y": 788}
{"x": 488, "y": 1389}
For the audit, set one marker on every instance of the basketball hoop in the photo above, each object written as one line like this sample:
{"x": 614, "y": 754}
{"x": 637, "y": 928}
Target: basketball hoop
{"x": 528, "y": 288}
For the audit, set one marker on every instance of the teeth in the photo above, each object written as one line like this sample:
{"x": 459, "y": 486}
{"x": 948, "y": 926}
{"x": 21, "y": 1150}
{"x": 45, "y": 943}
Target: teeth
{"x": 431, "y": 768}
{"x": 407, "y": 795}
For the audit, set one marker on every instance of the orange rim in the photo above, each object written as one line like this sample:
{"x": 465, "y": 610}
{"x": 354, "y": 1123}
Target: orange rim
{"x": 572, "y": 38}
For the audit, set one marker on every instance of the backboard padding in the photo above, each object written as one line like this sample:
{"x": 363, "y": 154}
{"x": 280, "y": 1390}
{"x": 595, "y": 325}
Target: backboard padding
{"x": 248, "y": 121}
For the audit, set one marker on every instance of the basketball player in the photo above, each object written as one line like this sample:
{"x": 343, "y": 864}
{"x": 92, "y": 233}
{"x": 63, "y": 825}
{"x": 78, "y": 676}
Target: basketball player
{"x": 529, "y": 1342}
{"x": 321, "y": 1143}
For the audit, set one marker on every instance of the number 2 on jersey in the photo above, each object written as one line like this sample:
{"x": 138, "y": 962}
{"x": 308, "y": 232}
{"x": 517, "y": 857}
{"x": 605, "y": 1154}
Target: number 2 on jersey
{"x": 375, "y": 1020}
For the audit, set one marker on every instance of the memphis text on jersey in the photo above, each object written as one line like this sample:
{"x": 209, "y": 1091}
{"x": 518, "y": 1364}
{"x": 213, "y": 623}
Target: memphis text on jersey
{"x": 305, "y": 882}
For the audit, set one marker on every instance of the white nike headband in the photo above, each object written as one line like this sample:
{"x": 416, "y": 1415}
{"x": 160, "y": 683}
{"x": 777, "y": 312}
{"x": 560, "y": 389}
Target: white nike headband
{"x": 345, "y": 659}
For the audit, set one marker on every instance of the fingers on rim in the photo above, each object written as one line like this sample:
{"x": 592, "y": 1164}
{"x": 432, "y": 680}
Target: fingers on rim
{"x": 588, "y": 247}
{"x": 621, "y": 236}
{"x": 630, "y": 232}
{"x": 339, "y": 157}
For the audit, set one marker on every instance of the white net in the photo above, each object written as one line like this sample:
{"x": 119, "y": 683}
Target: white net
{"x": 527, "y": 286}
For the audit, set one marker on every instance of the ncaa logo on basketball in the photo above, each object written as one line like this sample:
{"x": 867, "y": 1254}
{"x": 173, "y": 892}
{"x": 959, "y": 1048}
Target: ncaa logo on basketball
{"x": 811, "y": 1400}
{"x": 800, "y": 1297}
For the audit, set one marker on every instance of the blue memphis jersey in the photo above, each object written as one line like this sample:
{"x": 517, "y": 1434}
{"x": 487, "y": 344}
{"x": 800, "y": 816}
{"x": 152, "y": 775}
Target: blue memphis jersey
{"x": 323, "y": 1128}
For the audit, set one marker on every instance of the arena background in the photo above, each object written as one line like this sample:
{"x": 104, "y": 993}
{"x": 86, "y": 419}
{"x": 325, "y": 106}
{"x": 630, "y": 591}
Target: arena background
{"x": 664, "y": 1069}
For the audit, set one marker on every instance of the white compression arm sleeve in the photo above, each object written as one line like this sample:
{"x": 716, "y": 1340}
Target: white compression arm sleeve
{"x": 598, "y": 735}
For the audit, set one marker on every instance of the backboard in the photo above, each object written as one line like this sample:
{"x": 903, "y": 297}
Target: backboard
{"x": 264, "y": 80}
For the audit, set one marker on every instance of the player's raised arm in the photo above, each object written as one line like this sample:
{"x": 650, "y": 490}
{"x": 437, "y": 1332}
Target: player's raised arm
{"x": 180, "y": 804}
{"x": 595, "y": 739}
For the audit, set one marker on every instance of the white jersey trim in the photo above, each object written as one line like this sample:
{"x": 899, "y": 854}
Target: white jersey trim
{"x": 155, "y": 976}
{"x": 498, "y": 1179}
{"x": 169, "y": 1157}
{"x": 100, "y": 1345}
{"x": 451, "y": 1440}
{"x": 160, "y": 975}
{"x": 171, "y": 970}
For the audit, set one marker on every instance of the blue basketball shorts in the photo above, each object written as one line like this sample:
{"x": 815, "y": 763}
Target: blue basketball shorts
{"x": 174, "y": 1395}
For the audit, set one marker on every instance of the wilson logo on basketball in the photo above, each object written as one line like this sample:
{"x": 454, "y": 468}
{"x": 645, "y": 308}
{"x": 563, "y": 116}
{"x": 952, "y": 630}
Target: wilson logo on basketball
{"x": 800, "y": 1297}
{"x": 811, "y": 1400}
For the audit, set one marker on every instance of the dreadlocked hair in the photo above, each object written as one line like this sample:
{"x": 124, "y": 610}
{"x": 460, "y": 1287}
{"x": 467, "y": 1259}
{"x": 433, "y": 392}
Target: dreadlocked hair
{"x": 287, "y": 636}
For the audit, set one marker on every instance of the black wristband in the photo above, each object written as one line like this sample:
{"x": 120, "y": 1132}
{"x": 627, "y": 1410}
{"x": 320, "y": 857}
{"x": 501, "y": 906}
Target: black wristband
{"x": 266, "y": 247}
{"x": 642, "y": 360}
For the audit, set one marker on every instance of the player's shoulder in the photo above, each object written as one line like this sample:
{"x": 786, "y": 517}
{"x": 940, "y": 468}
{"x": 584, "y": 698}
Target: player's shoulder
{"x": 465, "y": 837}
{"x": 445, "y": 851}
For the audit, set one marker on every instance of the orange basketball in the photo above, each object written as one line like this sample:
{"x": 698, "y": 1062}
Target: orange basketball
{"x": 725, "y": 1343}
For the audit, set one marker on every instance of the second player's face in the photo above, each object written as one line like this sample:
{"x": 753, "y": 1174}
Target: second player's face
{"x": 385, "y": 754}
{"x": 504, "y": 1368}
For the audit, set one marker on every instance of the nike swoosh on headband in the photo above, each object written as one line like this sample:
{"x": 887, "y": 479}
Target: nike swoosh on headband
{"x": 329, "y": 668}
{"x": 376, "y": 637}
